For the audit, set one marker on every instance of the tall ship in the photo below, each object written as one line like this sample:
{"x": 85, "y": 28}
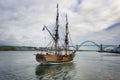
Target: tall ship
{"x": 59, "y": 53}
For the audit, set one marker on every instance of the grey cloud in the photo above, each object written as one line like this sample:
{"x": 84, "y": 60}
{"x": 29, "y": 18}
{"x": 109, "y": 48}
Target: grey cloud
{"x": 21, "y": 21}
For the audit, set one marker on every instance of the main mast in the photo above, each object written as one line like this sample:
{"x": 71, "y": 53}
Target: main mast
{"x": 66, "y": 36}
{"x": 56, "y": 32}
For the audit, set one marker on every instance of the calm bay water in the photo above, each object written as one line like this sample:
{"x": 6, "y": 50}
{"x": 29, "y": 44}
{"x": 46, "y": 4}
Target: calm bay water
{"x": 21, "y": 65}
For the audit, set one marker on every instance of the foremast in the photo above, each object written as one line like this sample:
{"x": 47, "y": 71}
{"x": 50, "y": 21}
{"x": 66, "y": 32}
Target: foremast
{"x": 56, "y": 32}
{"x": 66, "y": 36}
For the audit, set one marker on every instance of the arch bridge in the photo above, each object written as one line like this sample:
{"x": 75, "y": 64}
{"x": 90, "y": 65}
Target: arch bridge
{"x": 82, "y": 44}
{"x": 99, "y": 46}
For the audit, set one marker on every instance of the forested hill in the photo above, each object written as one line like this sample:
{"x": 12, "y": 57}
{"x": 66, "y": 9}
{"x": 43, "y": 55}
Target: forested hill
{"x": 17, "y": 48}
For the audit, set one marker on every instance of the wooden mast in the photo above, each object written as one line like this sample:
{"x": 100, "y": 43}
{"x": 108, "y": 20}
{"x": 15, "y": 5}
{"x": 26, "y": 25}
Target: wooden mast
{"x": 66, "y": 36}
{"x": 56, "y": 32}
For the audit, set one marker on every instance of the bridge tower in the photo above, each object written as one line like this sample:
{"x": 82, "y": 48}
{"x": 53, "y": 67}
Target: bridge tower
{"x": 77, "y": 47}
{"x": 101, "y": 48}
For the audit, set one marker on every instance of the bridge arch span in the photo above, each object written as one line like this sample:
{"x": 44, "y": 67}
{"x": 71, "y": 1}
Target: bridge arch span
{"x": 87, "y": 42}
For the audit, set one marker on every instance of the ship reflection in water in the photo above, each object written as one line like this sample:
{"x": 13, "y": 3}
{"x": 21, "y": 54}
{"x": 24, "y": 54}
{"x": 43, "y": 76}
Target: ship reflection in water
{"x": 53, "y": 72}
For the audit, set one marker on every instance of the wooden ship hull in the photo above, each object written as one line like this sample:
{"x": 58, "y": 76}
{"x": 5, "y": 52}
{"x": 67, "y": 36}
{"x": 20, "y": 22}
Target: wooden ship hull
{"x": 53, "y": 58}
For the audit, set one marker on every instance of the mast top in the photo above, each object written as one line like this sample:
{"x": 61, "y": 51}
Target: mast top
{"x": 57, "y": 5}
{"x": 66, "y": 19}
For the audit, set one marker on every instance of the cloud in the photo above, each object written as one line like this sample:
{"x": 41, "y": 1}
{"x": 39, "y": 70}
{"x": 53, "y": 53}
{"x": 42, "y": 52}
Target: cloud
{"x": 93, "y": 17}
{"x": 21, "y": 22}
{"x": 110, "y": 36}
{"x": 113, "y": 25}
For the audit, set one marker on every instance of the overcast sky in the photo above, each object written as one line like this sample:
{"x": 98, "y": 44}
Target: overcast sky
{"x": 21, "y": 21}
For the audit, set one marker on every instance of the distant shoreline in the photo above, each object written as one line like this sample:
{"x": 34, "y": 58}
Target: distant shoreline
{"x": 18, "y": 48}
